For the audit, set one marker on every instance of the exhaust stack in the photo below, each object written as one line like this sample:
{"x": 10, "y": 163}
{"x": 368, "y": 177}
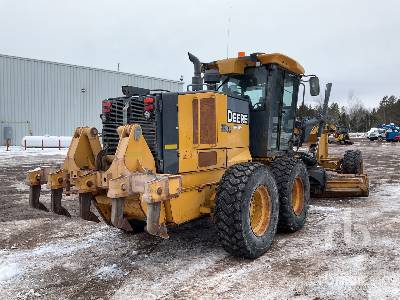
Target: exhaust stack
{"x": 197, "y": 81}
{"x": 324, "y": 109}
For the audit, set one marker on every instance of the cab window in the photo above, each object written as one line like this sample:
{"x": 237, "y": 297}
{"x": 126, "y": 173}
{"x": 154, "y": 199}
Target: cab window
{"x": 251, "y": 86}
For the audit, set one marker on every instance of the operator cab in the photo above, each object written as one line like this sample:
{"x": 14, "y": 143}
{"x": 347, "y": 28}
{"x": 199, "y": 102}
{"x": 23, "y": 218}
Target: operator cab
{"x": 270, "y": 83}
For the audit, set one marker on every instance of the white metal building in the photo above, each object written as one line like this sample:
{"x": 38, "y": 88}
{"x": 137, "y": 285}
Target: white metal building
{"x": 40, "y": 97}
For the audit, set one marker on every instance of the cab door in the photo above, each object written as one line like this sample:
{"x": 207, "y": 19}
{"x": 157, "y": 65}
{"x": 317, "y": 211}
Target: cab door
{"x": 288, "y": 110}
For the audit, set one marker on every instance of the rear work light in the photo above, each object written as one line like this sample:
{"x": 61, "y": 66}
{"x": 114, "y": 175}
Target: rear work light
{"x": 106, "y": 106}
{"x": 148, "y": 107}
{"x": 148, "y": 100}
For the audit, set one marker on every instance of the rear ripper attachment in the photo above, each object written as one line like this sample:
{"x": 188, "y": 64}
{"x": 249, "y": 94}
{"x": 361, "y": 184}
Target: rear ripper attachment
{"x": 128, "y": 190}
{"x": 80, "y": 161}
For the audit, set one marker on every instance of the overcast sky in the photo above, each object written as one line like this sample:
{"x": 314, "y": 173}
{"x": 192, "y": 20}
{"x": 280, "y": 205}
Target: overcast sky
{"x": 354, "y": 44}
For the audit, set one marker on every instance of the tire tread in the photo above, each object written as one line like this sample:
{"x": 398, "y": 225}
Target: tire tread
{"x": 228, "y": 210}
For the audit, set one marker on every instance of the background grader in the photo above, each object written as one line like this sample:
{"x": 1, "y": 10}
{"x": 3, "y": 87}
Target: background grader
{"x": 339, "y": 135}
{"x": 226, "y": 151}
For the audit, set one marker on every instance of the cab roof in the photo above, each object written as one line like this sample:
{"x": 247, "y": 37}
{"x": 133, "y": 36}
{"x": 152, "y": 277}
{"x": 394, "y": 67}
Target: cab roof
{"x": 238, "y": 64}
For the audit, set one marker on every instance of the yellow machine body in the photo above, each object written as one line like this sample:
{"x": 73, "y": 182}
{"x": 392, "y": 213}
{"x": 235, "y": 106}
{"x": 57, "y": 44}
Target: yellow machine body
{"x": 204, "y": 154}
{"x": 213, "y": 135}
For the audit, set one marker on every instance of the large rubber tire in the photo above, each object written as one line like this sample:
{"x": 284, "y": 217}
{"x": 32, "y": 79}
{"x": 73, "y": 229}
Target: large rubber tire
{"x": 352, "y": 162}
{"x": 294, "y": 193}
{"x": 234, "y": 212}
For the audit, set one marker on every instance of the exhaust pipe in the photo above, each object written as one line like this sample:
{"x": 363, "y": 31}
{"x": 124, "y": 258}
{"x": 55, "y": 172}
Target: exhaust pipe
{"x": 324, "y": 109}
{"x": 197, "y": 81}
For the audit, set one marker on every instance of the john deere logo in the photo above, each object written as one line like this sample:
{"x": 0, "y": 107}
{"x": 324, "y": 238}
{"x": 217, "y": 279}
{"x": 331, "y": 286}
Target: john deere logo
{"x": 238, "y": 118}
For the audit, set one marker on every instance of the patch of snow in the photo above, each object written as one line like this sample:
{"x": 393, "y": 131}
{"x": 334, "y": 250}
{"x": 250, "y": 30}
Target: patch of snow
{"x": 324, "y": 208}
{"x": 153, "y": 286}
{"x": 109, "y": 272}
{"x": 46, "y": 255}
{"x": 16, "y": 151}
{"x": 20, "y": 186}
{"x": 31, "y": 294}
{"x": 342, "y": 275}
{"x": 384, "y": 286}
{"x": 390, "y": 190}
{"x": 8, "y": 271}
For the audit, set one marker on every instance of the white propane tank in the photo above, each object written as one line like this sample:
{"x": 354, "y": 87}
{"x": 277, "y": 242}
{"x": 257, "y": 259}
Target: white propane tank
{"x": 46, "y": 141}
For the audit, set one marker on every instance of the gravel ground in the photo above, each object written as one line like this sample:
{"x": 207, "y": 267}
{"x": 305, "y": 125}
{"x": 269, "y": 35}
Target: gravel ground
{"x": 349, "y": 248}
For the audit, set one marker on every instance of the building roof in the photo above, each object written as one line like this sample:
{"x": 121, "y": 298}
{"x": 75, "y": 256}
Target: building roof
{"x": 88, "y": 68}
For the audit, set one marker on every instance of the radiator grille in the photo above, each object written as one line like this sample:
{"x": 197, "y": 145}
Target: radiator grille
{"x": 115, "y": 118}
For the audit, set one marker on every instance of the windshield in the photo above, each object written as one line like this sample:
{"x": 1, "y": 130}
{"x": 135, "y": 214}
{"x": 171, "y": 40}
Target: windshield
{"x": 250, "y": 86}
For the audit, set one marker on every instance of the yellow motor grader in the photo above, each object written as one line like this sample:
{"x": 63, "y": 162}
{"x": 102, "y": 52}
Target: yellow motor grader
{"x": 338, "y": 176}
{"x": 224, "y": 148}
{"x": 341, "y": 135}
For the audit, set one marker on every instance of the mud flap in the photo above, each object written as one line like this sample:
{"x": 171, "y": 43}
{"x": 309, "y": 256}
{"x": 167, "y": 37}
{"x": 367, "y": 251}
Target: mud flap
{"x": 34, "y": 195}
{"x": 56, "y": 207}
{"x": 85, "y": 201}
{"x": 153, "y": 226}
{"x": 117, "y": 215}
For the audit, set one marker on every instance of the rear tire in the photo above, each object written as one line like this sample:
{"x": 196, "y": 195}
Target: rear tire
{"x": 247, "y": 210}
{"x": 352, "y": 162}
{"x": 294, "y": 193}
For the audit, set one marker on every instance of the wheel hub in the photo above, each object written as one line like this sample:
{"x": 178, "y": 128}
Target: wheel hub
{"x": 298, "y": 196}
{"x": 260, "y": 211}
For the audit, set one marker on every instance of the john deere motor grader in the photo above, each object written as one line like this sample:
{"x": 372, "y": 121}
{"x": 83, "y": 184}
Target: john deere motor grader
{"x": 223, "y": 148}
{"x": 329, "y": 176}
{"x": 342, "y": 136}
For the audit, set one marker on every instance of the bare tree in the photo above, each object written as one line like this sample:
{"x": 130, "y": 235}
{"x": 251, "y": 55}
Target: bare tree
{"x": 358, "y": 114}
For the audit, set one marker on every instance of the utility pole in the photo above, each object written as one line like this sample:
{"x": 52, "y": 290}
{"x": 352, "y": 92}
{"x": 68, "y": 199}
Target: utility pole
{"x": 118, "y": 67}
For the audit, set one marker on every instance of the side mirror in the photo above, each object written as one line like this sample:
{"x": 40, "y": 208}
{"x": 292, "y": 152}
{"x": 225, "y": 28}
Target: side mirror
{"x": 314, "y": 86}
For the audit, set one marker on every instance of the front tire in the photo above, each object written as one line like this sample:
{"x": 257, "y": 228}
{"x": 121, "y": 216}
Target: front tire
{"x": 247, "y": 210}
{"x": 294, "y": 193}
{"x": 352, "y": 162}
